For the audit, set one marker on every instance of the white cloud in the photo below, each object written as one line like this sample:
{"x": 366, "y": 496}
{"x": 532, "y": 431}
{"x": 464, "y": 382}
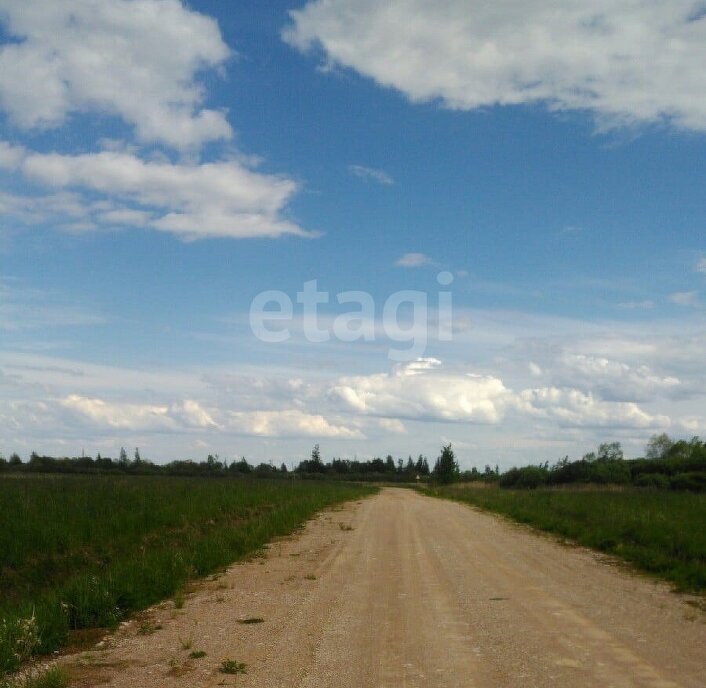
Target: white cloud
{"x": 193, "y": 201}
{"x": 534, "y": 369}
{"x": 392, "y": 425}
{"x": 10, "y": 156}
{"x": 138, "y": 60}
{"x": 422, "y": 391}
{"x": 701, "y": 265}
{"x": 289, "y": 423}
{"x": 133, "y": 417}
{"x": 684, "y": 298}
{"x": 379, "y": 176}
{"x": 573, "y": 408}
{"x": 413, "y": 260}
{"x": 612, "y": 380}
{"x": 627, "y": 61}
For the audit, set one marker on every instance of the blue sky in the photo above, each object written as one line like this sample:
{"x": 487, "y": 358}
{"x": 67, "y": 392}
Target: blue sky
{"x": 161, "y": 164}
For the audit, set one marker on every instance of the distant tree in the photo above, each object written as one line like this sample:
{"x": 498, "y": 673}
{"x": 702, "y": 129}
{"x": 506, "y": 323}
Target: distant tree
{"x": 138, "y": 459}
{"x": 123, "y": 460}
{"x": 610, "y": 451}
{"x": 446, "y": 468}
{"x": 15, "y": 460}
{"x": 409, "y": 468}
{"x": 316, "y": 454}
{"x": 422, "y": 465}
{"x": 240, "y": 466}
{"x": 658, "y": 446}
{"x": 283, "y": 468}
{"x": 213, "y": 463}
{"x": 389, "y": 464}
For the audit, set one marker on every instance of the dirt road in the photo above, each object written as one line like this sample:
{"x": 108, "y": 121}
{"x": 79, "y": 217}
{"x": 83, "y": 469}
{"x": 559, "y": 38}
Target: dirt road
{"x": 405, "y": 590}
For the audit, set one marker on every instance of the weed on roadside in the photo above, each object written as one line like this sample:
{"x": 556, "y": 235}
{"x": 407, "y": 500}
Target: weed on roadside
{"x": 231, "y": 666}
{"x": 148, "y": 628}
{"x": 179, "y": 599}
{"x": 54, "y": 677}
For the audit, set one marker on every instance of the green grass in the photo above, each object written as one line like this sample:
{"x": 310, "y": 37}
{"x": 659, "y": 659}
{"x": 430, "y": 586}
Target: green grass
{"x": 230, "y": 666}
{"x": 84, "y": 552}
{"x": 662, "y": 533}
{"x": 54, "y": 677}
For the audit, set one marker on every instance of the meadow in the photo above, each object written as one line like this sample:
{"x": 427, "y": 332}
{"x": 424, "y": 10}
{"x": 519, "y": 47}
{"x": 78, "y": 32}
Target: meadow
{"x": 83, "y": 552}
{"x": 660, "y": 532}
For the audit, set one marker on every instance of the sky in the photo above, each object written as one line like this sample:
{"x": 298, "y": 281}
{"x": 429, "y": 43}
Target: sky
{"x": 245, "y": 228}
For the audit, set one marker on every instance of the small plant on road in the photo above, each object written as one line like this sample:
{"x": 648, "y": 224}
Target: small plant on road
{"x": 148, "y": 628}
{"x": 231, "y": 666}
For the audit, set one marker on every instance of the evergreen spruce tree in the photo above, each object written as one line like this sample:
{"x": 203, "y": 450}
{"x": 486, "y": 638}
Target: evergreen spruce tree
{"x": 446, "y": 468}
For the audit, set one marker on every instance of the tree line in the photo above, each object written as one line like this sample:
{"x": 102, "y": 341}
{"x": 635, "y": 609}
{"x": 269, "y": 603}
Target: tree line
{"x": 667, "y": 463}
{"x": 388, "y": 469}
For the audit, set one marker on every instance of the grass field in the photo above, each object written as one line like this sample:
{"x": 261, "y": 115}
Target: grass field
{"x": 83, "y": 552}
{"x": 661, "y": 532}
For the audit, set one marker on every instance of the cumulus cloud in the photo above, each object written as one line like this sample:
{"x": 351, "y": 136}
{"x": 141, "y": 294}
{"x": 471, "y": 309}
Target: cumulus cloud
{"x": 627, "y": 61}
{"x": 289, "y": 423}
{"x": 138, "y": 60}
{"x": 413, "y": 260}
{"x": 370, "y": 173}
{"x": 573, "y": 408}
{"x": 193, "y": 201}
{"x": 423, "y": 391}
{"x": 191, "y": 415}
{"x": 134, "y": 417}
{"x": 613, "y": 380}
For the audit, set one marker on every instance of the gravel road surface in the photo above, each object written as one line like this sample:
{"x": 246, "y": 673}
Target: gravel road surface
{"x": 405, "y": 590}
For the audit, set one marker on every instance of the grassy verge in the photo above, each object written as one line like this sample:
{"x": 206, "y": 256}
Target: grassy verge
{"x": 659, "y": 532}
{"x": 54, "y": 677}
{"x": 84, "y": 552}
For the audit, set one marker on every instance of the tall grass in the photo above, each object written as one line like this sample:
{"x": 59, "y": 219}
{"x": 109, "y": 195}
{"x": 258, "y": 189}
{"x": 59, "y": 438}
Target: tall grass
{"x": 663, "y": 533}
{"x": 83, "y": 552}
